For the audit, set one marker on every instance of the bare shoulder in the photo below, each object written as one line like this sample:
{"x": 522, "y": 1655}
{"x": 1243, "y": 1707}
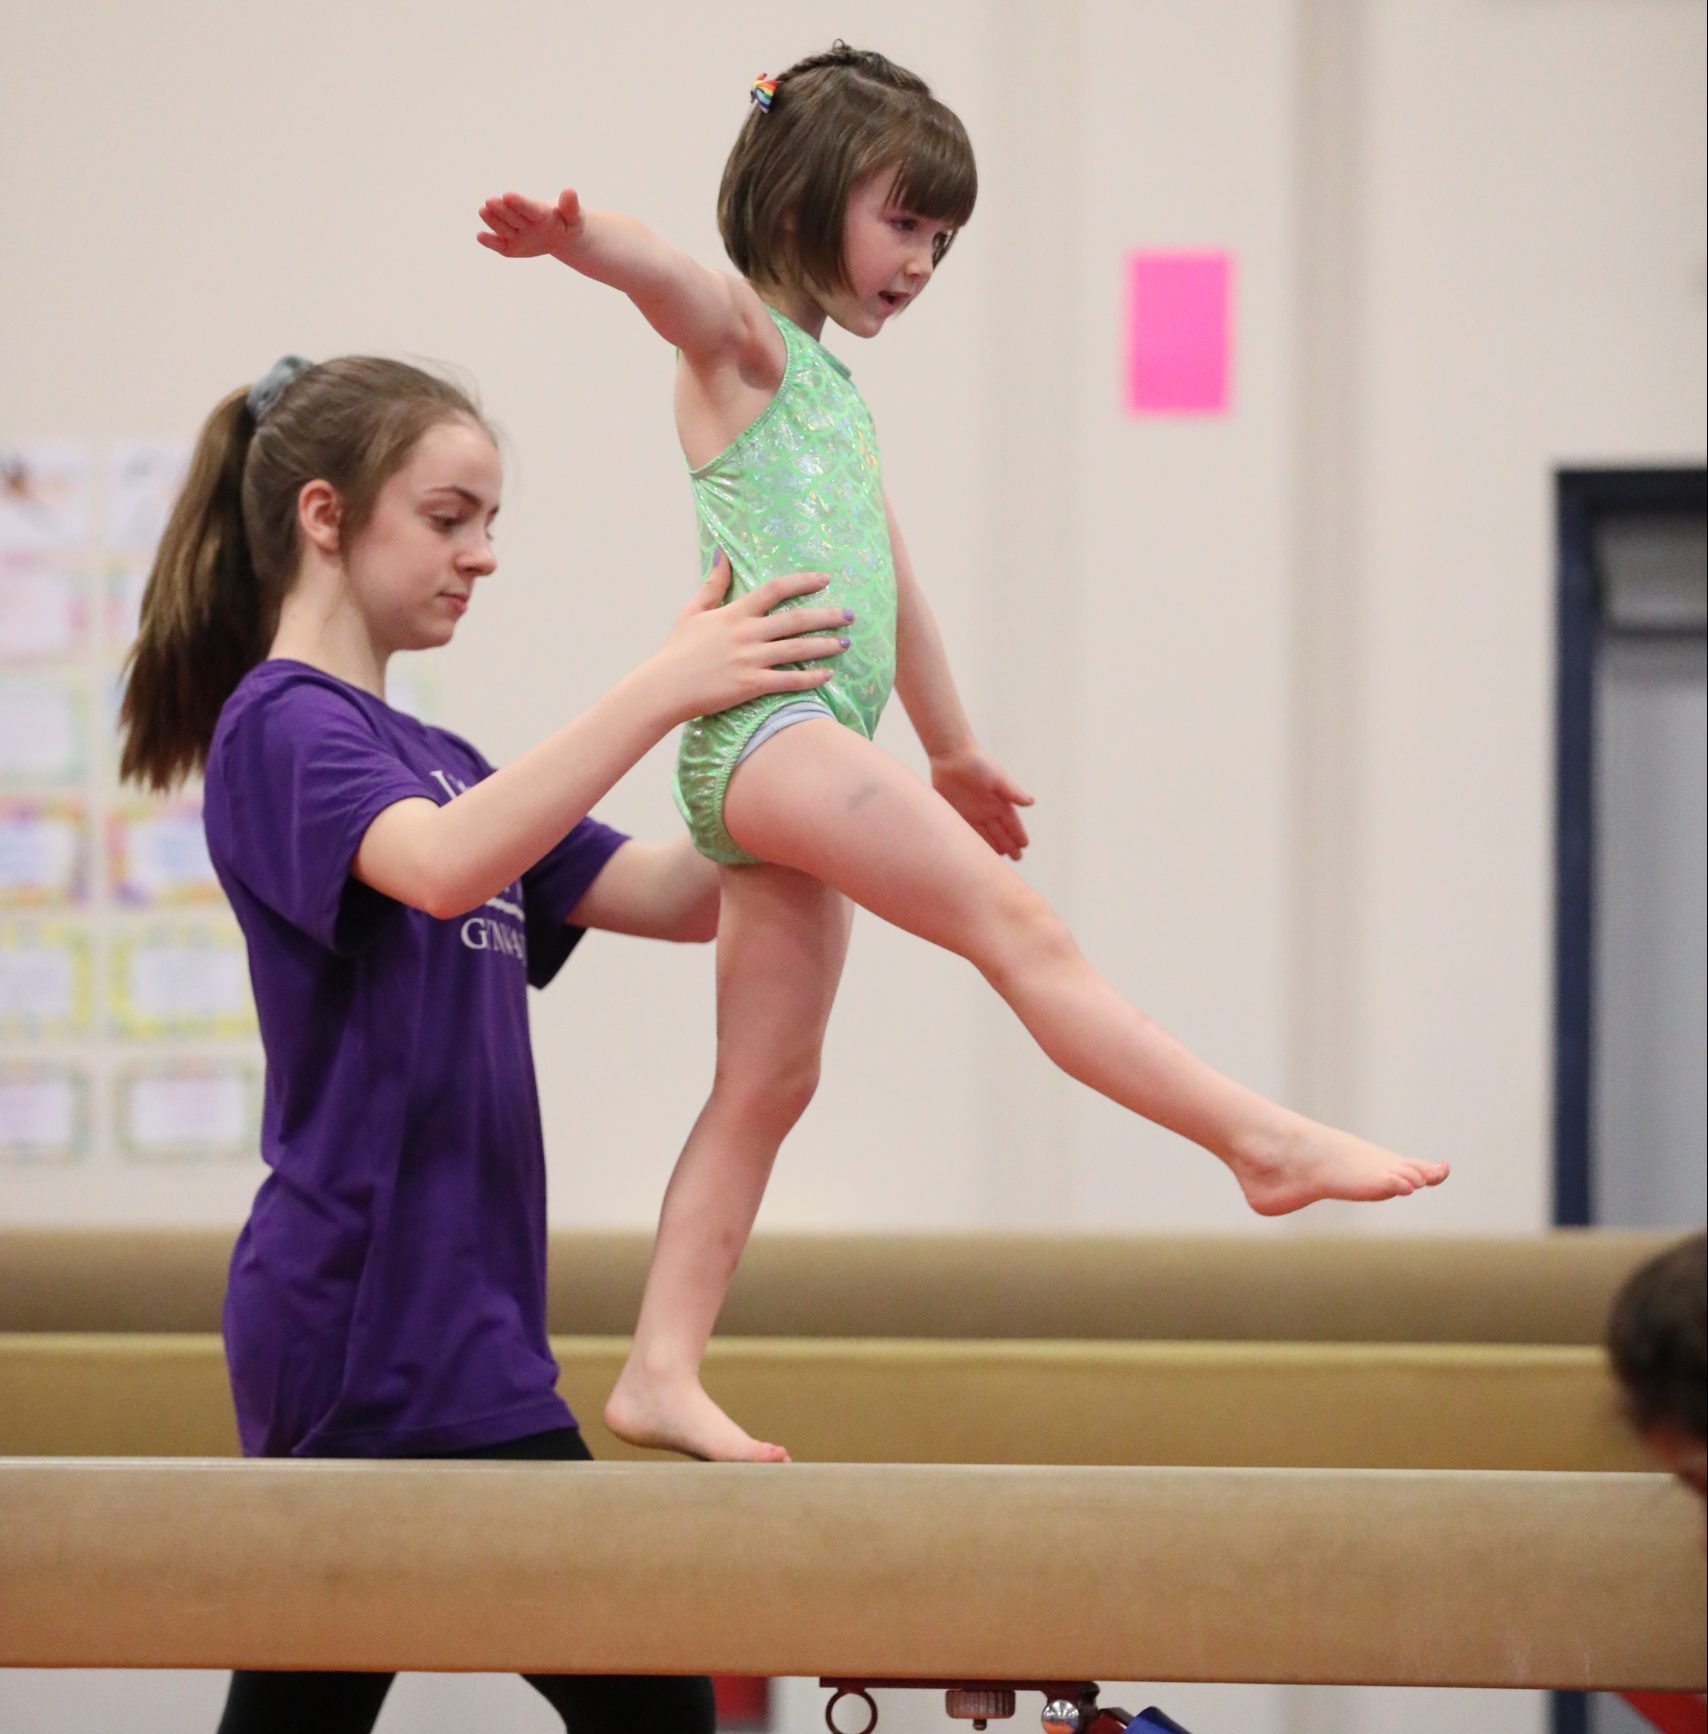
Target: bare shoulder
{"x": 753, "y": 353}
{"x": 720, "y": 393}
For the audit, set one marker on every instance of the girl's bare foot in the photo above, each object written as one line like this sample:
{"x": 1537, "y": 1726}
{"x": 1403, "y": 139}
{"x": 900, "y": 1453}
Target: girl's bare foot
{"x": 675, "y": 1414}
{"x": 1307, "y": 1162}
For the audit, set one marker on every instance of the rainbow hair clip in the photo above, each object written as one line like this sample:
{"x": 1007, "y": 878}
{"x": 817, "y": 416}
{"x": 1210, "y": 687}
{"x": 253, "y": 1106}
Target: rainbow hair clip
{"x": 764, "y": 92}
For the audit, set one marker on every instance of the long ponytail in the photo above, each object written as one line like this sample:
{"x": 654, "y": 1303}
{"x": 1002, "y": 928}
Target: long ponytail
{"x": 230, "y": 552}
{"x": 205, "y": 623}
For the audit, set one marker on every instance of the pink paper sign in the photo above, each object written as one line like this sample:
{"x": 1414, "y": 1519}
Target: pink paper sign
{"x": 1179, "y": 319}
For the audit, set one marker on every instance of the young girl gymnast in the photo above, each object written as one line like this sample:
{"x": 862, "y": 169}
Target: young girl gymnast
{"x": 397, "y": 896}
{"x": 844, "y": 192}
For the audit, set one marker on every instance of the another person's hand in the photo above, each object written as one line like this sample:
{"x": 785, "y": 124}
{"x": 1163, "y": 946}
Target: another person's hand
{"x": 719, "y": 654}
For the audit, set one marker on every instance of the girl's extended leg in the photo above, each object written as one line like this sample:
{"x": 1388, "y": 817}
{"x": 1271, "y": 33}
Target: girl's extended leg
{"x": 821, "y": 799}
{"x": 782, "y": 937}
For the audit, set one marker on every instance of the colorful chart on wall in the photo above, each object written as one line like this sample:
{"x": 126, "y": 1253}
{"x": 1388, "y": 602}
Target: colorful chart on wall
{"x": 44, "y": 1114}
{"x": 188, "y": 1110}
{"x": 143, "y": 481}
{"x": 46, "y": 979}
{"x": 127, "y": 579}
{"x": 157, "y": 855}
{"x": 181, "y": 979}
{"x": 46, "y": 497}
{"x": 126, "y": 1017}
{"x": 44, "y": 730}
{"x": 44, "y": 609}
{"x": 44, "y": 852}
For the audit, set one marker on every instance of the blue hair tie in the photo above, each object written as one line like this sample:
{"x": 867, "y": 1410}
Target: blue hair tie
{"x": 269, "y": 388}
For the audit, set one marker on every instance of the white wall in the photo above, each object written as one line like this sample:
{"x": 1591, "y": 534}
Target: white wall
{"x": 1534, "y": 257}
{"x": 1282, "y": 683}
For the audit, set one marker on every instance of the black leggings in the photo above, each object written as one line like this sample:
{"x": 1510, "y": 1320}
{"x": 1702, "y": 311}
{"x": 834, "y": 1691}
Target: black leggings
{"x": 295, "y": 1703}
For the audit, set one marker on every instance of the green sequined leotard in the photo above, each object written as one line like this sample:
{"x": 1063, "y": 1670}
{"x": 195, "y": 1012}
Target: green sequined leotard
{"x": 799, "y": 491}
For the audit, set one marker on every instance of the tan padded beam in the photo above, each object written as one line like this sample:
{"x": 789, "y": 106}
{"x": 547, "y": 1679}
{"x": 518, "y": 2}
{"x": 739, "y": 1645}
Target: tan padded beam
{"x": 1342, "y": 1577}
{"x": 1262, "y": 1287}
{"x": 1277, "y": 1404}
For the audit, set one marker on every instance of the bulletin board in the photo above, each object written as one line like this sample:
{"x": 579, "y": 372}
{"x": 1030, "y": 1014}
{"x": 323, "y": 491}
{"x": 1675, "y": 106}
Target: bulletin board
{"x": 127, "y": 1029}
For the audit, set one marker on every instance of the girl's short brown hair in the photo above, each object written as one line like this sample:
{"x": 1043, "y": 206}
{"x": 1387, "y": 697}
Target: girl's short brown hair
{"x": 1657, "y": 1337}
{"x": 230, "y": 550}
{"x": 836, "y": 119}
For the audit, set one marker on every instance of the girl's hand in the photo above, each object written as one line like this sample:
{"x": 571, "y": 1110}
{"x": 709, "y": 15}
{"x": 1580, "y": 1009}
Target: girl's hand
{"x": 523, "y": 228}
{"x": 983, "y": 794}
{"x": 717, "y": 656}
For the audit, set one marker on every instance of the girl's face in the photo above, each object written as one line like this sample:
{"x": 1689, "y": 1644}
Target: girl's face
{"x": 414, "y": 567}
{"x": 889, "y": 254}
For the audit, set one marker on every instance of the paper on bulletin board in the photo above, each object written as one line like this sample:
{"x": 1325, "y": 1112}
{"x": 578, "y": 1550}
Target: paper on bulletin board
{"x": 127, "y": 579}
{"x": 111, "y": 695}
{"x": 44, "y": 730}
{"x": 44, "y": 852}
{"x": 46, "y": 979}
{"x": 186, "y": 1110}
{"x": 178, "y": 979}
{"x": 45, "y": 497}
{"x": 157, "y": 855}
{"x": 44, "y": 1114}
{"x": 144, "y": 478}
{"x": 43, "y": 610}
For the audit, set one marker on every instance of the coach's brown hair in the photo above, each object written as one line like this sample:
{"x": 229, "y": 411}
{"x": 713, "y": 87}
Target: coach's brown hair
{"x": 230, "y": 550}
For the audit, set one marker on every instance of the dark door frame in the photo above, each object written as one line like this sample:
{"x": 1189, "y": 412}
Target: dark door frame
{"x": 1584, "y": 500}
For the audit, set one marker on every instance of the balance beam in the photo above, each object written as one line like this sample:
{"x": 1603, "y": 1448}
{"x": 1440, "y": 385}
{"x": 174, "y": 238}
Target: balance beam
{"x": 1231, "y": 1405}
{"x": 1462, "y": 1578}
{"x": 1255, "y": 1287}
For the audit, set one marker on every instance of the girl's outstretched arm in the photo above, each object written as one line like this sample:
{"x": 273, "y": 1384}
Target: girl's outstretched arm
{"x": 706, "y": 314}
{"x": 448, "y": 860}
{"x": 975, "y": 785}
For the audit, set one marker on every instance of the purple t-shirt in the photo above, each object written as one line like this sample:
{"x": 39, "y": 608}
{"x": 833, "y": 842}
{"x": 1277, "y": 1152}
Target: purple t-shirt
{"x": 387, "y": 1295}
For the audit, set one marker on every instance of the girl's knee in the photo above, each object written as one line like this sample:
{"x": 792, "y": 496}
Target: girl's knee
{"x": 1022, "y": 933}
{"x": 776, "y": 1091}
